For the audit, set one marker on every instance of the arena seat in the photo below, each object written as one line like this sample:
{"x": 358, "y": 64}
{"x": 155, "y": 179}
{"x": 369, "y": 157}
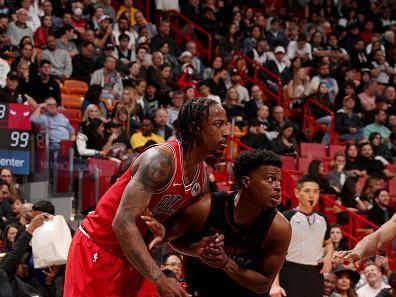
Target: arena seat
{"x": 335, "y": 148}
{"x": 74, "y": 87}
{"x": 303, "y": 164}
{"x": 288, "y": 162}
{"x": 313, "y": 150}
{"x": 95, "y": 181}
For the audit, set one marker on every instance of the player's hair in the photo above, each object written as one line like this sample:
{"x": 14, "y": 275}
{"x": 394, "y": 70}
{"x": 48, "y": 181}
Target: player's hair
{"x": 191, "y": 116}
{"x": 306, "y": 179}
{"x": 250, "y": 160}
{"x": 44, "y": 206}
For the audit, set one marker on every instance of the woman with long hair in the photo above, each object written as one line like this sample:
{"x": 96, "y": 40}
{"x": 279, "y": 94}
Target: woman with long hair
{"x": 316, "y": 170}
{"x": 285, "y": 143}
{"x": 92, "y": 96}
{"x": 7, "y": 176}
{"x": 322, "y": 116}
{"x": 43, "y": 31}
{"x": 298, "y": 88}
{"x": 230, "y": 43}
{"x": 217, "y": 63}
{"x": 231, "y": 105}
{"x": 346, "y": 281}
{"x": 352, "y": 164}
{"x": 381, "y": 151}
{"x": 371, "y": 185}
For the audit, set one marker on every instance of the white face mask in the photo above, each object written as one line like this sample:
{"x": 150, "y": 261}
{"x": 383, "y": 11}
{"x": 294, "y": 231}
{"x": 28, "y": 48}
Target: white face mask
{"x": 78, "y": 11}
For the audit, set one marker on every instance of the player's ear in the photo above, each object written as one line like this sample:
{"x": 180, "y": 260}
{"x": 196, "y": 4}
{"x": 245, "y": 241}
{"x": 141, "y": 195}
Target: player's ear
{"x": 245, "y": 181}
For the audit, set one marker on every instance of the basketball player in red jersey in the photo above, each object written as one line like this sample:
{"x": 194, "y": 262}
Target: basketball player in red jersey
{"x": 108, "y": 255}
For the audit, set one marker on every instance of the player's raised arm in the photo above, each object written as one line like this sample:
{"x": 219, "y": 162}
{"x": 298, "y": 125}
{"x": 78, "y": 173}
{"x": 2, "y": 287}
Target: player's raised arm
{"x": 368, "y": 246}
{"x": 154, "y": 171}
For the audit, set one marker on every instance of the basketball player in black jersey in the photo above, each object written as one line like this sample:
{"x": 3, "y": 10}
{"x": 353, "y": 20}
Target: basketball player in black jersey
{"x": 255, "y": 235}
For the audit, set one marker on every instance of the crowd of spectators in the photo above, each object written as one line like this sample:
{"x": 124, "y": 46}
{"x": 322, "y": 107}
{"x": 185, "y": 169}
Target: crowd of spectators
{"x": 340, "y": 53}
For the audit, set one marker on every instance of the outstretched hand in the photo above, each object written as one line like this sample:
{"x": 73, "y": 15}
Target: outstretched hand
{"x": 349, "y": 256}
{"x": 156, "y": 228}
{"x": 210, "y": 251}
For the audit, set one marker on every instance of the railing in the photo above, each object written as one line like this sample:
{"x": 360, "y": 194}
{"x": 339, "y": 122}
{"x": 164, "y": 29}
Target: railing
{"x": 254, "y": 78}
{"x": 185, "y": 30}
{"x": 354, "y": 225}
{"x": 310, "y": 123}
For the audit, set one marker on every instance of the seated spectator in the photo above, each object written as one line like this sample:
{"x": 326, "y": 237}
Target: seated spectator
{"x": 5, "y": 204}
{"x": 164, "y": 36}
{"x": 133, "y": 75}
{"x": 7, "y": 176}
{"x": 19, "y": 28}
{"x": 338, "y": 175}
{"x": 91, "y": 112}
{"x": 27, "y": 55}
{"x": 205, "y": 91}
{"x": 163, "y": 84}
{"x": 161, "y": 127}
{"x": 275, "y": 34}
{"x": 10, "y": 93}
{"x": 381, "y": 151}
{"x": 378, "y": 126}
{"x": 347, "y": 122}
{"x": 122, "y": 117}
{"x": 177, "y": 102}
{"x": 316, "y": 170}
{"x": 374, "y": 284}
{"x": 41, "y": 34}
{"x": 121, "y": 147}
{"x": 217, "y": 63}
{"x": 124, "y": 27}
{"x": 259, "y": 53}
{"x": 146, "y": 99}
{"x": 91, "y": 140}
{"x": 57, "y": 125}
{"x": 66, "y": 40}
{"x": 381, "y": 211}
{"x": 330, "y": 281}
{"x": 279, "y": 67}
{"x": 370, "y": 164}
{"x": 324, "y": 77}
{"x": 16, "y": 209}
{"x": 4, "y": 69}
{"x": 92, "y": 96}
{"x": 257, "y": 100}
{"x": 83, "y": 63}
{"x": 122, "y": 51}
{"x": 367, "y": 97}
{"x": 285, "y": 143}
{"x": 346, "y": 281}
{"x": 300, "y": 48}
{"x": 337, "y": 239}
{"x": 10, "y": 236}
{"x": 61, "y": 64}
{"x": 191, "y": 46}
{"x": 298, "y": 88}
{"x": 108, "y": 78}
{"x": 387, "y": 292}
{"x": 350, "y": 198}
{"x": 243, "y": 94}
{"x": 322, "y": 116}
{"x": 232, "y": 107}
{"x": 139, "y": 139}
{"x": 174, "y": 263}
{"x": 23, "y": 72}
{"x": 256, "y": 136}
{"x": 45, "y": 86}
{"x": 381, "y": 70}
{"x": 353, "y": 167}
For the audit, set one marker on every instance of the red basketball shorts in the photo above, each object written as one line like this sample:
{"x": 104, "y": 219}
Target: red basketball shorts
{"x": 91, "y": 271}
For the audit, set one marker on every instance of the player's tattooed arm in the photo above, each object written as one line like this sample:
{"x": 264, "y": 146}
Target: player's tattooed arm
{"x": 155, "y": 169}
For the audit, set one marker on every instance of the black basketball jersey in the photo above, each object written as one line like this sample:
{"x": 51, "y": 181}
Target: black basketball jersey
{"x": 242, "y": 243}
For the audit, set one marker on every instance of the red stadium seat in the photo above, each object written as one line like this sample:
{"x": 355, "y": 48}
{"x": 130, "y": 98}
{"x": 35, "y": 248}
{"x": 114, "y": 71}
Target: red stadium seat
{"x": 335, "y": 148}
{"x": 303, "y": 164}
{"x": 96, "y": 181}
{"x": 313, "y": 150}
{"x": 288, "y": 162}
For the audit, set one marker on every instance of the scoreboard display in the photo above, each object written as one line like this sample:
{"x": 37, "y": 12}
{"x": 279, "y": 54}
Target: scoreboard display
{"x": 15, "y": 140}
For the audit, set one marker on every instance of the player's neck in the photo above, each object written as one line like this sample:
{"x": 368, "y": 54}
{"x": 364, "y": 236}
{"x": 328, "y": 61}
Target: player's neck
{"x": 244, "y": 212}
{"x": 193, "y": 156}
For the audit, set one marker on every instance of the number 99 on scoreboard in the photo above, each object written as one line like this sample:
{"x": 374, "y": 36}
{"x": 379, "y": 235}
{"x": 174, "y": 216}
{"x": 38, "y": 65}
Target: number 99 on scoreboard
{"x": 15, "y": 137}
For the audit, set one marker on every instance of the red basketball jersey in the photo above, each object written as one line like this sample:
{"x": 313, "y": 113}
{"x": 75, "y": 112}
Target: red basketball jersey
{"x": 165, "y": 203}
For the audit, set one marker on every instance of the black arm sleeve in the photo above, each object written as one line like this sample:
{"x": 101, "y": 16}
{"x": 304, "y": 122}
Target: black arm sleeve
{"x": 13, "y": 258}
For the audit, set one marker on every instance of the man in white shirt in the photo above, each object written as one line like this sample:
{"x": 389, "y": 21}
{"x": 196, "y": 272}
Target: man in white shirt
{"x": 374, "y": 281}
{"x": 300, "y": 48}
{"x": 4, "y": 69}
{"x": 243, "y": 93}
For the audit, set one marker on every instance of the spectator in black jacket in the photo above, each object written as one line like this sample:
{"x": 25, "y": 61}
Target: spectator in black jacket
{"x": 347, "y": 122}
{"x": 381, "y": 211}
{"x": 45, "y": 85}
{"x": 83, "y": 63}
{"x": 161, "y": 127}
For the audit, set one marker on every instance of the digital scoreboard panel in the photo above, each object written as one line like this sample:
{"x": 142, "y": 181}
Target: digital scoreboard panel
{"x": 15, "y": 137}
